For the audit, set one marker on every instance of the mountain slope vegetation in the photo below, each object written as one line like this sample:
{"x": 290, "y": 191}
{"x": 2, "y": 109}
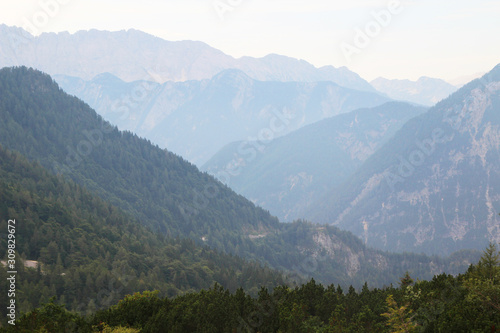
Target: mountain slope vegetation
{"x": 90, "y": 254}
{"x": 160, "y": 189}
{"x": 465, "y": 303}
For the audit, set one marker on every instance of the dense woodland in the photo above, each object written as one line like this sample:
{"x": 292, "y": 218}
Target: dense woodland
{"x": 91, "y": 254}
{"x": 171, "y": 198}
{"x": 469, "y": 302}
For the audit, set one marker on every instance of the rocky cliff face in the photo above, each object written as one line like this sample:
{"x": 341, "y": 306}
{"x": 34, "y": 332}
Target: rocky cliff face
{"x": 335, "y": 253}
{"x": 435, "y": 187}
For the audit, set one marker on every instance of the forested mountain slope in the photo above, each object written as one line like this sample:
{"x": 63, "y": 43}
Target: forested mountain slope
{"x": 91, "y": 254}
{"x": 465, "y": 303}
{"x": 159, "y": 188}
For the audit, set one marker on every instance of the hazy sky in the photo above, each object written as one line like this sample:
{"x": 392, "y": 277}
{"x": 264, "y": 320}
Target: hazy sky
{"x": 445, "y": 39}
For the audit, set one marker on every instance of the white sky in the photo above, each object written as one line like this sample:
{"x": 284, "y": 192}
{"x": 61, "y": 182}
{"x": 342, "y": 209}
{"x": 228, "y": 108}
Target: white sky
{"x": 439, "y": 38}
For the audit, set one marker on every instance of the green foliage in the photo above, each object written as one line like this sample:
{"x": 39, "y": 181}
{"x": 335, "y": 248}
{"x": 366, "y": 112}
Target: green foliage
{"x": 92, "y": 254}
{"x": 105, "y": 328}
{"x": 444, "y": 304}
{"x": 50, "y": 317}
{"x": 132, "y": 311}
{"x": 488, "y": 266}
{"x": 483, "y": 283}
{"x": 399, "y": 319}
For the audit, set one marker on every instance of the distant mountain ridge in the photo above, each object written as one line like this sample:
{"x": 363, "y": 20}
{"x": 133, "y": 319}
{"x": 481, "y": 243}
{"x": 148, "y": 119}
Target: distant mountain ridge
{"x": 425, "y": 91}
{"x": 197, "y": 118}
{"x": 434, "y": 187}
{"x": 134, "y": 55}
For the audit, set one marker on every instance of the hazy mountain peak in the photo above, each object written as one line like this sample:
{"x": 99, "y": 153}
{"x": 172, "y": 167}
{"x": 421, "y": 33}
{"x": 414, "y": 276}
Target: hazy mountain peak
{"x": 106, "y": 78}
{"x": 232, "y": 75}
{"x": 494, "y": 74}
{"x": 272, "y": 57}
{"x": 425, "y": 91}
{"x": 464, "y": 79}
{"x": 183, "y": 116}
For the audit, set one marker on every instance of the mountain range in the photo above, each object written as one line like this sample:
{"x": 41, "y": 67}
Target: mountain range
{"x": 177, "y": 94}
{"x": 171, "y": 198}
{"x": 133, "y": 55}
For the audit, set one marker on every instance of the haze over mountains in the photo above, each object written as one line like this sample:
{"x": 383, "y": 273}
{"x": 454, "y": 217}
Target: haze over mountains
{"x": 434, "y": 187}
{"x": 132, "y": 79}
{"x": 290, "y": 173}
{"x": 133, "y": 55}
